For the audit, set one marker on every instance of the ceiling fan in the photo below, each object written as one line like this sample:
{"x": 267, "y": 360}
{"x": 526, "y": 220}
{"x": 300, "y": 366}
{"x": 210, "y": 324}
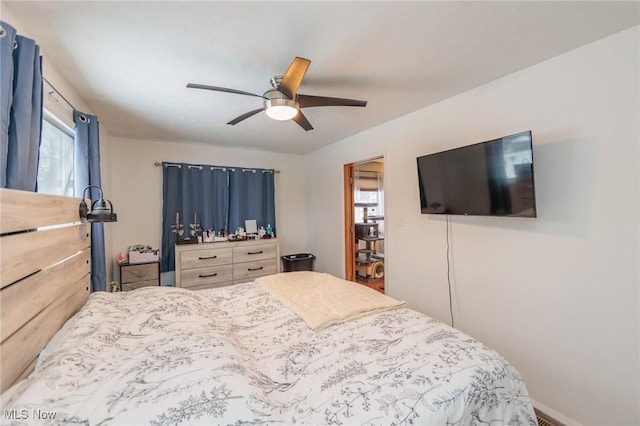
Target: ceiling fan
{"x": 282, "y": 101}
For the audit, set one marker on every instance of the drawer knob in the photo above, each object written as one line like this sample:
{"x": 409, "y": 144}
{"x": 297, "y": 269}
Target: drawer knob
{"x": 255, "y": 269}
{"x": 255, "y": 252}
{"x": 207, "y": 257}
{"x": 208, "y": 275}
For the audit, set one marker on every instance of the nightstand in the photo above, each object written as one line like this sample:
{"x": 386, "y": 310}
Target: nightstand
{"x": 136, "y": 275}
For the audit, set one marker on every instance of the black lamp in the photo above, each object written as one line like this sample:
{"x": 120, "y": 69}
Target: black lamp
{"x": 100, "y": 212}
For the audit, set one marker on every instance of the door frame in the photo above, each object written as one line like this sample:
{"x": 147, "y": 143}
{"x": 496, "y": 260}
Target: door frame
{"x": 349, "y": 224}
{"x": 349, "y": 215}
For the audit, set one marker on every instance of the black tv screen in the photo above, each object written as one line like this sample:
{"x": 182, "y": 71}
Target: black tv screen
{"x": 493, "y": 178}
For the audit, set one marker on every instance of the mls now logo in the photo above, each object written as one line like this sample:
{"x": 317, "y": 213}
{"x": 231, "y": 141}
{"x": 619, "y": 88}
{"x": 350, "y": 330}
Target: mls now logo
{"x": 15, "y": 414}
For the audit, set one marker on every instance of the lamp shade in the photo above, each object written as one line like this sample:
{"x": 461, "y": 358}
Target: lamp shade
{"x": 101, "y": 209}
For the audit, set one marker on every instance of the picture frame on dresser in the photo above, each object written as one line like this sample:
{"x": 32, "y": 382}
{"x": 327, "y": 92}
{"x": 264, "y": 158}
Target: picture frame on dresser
{"x": 210, "y": 265}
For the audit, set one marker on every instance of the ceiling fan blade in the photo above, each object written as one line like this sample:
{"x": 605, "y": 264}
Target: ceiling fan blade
{"x": 245, "y": 116}
{"x": 306, "y": 101}
{"x": 222, "y": 89}
{"x": 302, "y": 121}
{"x": 293, "y": 77}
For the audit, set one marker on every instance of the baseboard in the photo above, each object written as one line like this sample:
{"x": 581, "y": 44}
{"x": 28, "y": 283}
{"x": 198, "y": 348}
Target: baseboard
{"x": 550, "y": 417}
{"x": 545, "y": 420}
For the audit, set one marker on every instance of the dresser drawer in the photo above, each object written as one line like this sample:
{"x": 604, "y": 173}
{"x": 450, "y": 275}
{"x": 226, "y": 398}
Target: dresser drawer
{"x": 210, "y": 265}
{"x": 138, "y": 284}
{"x": 251, "y": 252}
{"x": 210, "y": 285}
{"x": 247, "y": 271}
{"x": 206, "y": 257}
{"x": 142, "y": 272}
{"x": 200, "y": 277}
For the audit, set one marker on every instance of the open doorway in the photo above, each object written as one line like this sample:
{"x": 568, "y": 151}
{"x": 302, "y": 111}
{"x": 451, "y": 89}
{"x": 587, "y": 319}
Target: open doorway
{"x": 364, "y": 223}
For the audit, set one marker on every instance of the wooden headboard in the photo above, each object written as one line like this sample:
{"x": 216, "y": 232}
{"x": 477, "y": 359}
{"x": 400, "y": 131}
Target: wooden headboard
{"x": 45, "y": 274}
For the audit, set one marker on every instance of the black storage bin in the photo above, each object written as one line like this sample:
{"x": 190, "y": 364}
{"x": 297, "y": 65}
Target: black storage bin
{"x": 297, "y": 262}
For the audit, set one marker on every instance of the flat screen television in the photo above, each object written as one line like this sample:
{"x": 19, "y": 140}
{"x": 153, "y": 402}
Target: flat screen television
{"x": 492, "y": 178}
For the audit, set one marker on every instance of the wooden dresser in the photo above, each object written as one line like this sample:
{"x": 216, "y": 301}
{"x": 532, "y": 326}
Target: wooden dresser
{"x": 136, "y": 275}
{"x": 208, "y": 265}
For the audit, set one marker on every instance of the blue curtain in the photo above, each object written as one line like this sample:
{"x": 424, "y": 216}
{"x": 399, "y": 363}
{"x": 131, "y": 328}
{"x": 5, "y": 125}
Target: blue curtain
{"x": 87, "y": 172}
{"x": 252, "y": 196}
{"x": 189, "y": 190}
{"x": 21, "y": 109}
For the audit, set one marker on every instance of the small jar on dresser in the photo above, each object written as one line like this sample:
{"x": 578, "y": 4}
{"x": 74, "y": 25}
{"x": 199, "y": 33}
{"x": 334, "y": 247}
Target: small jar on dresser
{"x": 209, "y": 265}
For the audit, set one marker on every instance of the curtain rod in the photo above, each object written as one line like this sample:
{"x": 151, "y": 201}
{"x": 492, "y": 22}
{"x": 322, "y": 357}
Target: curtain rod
{"x": 157, "y": 163}
{"x": 59, "y": 94}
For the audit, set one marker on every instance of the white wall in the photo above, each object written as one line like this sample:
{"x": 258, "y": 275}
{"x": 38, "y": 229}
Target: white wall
{"x": 557, "y": 295}
{"x": 137, "y": 189}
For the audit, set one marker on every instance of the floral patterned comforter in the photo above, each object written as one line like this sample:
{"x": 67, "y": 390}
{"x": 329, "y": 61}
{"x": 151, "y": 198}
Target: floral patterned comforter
{"x": 237, "y": 356}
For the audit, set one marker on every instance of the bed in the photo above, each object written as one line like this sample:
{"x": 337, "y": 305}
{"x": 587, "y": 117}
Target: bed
{"x": 254, "y": 353}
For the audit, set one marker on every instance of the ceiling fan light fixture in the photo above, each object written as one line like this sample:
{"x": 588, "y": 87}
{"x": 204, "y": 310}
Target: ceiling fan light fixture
{"x": 282, "y": 102}
{"x": 281, "y": 109}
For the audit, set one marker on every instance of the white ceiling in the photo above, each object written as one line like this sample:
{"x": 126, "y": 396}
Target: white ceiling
{"x": 130, "y": 61}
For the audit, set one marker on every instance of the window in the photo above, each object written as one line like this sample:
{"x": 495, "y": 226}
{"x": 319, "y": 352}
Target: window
{"x": 369, "y": 192}
{"x": 55, "y": 168}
